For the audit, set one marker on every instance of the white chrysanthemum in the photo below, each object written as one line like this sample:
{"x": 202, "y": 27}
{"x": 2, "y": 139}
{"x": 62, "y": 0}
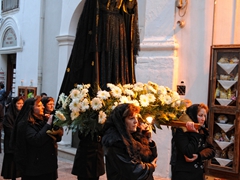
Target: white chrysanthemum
{"x": 96, "y": 104}
{"x": 66, "y": 102}
{"x": 74, "y": 105}
{"x": 80, "y": 87}
{"x": 116, "y": 92}
{"x": 103, "y": 95}
{"x": 138, "y": 86}
{"x": 124, "y": 99}
{"x": 151, "y": 89}
{"x": 162, "y": 90}
{"x": 83, "y": 94}
{"x": 74, "y": 93}
{"x": 152, "y": 84}
{"x": 168, "y": 99}
{"x": 115, "y": 105}
{"x": 151, "y": 98}
{"x": 176, "y": 103}
{"x": 144, "y": 100}
{"x": 175, "y": 96}
{"x": 61, "y": 98}
{"x": 84, "y": 105}
{"x": 87, "y": 86}
{"x": 74, "y": 115}
{"x": 135, "y": 102}
{"x": 60, "y": 116}
{"x": 129, "y": 92}
{"x": 102, "y": 117}
{"x": 127, "y": 86}
{"x": 161, "y": 97}
{"x": 110, "y": 85}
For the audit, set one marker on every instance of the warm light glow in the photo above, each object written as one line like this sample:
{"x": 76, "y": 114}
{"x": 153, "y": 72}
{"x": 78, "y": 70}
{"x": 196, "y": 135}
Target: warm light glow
{"x": 149, "y": 119}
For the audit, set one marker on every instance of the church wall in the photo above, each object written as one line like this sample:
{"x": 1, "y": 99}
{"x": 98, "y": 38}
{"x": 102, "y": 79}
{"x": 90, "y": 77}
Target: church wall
{"x": 50, "y": 62}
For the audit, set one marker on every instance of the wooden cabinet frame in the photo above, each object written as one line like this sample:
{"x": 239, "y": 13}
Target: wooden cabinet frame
{"x": 27, "y": 91}
{"x": 224, "y": 111}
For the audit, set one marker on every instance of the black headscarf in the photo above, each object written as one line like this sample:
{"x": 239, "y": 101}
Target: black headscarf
{"x": 116, "y": 119}
{"x": 22, "y": 117}
{"x": 18, "y": 140}
{"x": 12, "y": 112}
{"x": 192, "y": 112}
{"x": 135, "y": 147}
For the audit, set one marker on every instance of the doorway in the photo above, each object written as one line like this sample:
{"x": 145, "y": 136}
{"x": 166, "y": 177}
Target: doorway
{"x": 11, "y": 65}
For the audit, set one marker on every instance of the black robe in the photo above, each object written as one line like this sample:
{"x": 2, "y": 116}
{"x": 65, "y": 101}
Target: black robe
{"x": 106, "y": 45}
{"x": 189, "y": 143}
{"x": 119, "y": 165}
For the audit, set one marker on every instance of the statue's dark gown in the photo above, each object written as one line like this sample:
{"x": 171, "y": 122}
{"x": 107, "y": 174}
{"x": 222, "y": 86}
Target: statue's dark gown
{"x": 104, "y": 51}
{"x": 106, "y": 45}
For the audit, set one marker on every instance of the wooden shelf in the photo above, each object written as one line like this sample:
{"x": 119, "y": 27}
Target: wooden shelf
{"x": 223, "y": 100}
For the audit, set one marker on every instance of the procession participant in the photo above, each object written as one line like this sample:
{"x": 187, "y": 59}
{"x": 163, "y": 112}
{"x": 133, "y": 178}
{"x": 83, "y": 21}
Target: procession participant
{"x": 192, "y": 145}
{"x": 9, "y": 170}
{"x": 129, "y": 154}
{"x": 35, "y": 152}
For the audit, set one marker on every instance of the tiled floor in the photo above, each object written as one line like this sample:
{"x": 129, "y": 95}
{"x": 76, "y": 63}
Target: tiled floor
{"x": 64, "y": 170}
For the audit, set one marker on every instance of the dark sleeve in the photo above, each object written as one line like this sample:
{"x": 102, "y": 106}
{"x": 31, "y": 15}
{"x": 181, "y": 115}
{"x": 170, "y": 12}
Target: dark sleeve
{"x": 1, "y": 113}
{"x": 127, "y": 167}
{"x": 153, "y": 148}
{"x": 7, "y": 138}
{"x": 186, "y": 143}
{"x": 38, "y": 137}
{"x": 208, "y": 152}
{"x": 1, "y": 116}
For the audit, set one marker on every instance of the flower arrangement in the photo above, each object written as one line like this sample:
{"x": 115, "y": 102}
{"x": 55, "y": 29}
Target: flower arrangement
{"x": 88, "y": 113}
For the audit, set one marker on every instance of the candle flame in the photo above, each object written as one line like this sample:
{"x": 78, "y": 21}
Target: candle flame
{"x": 149, "y": 119}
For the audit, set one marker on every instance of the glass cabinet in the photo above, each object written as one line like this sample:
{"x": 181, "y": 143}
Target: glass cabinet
{"x": 224, "y": 111}
{"x": 27, "y": 91}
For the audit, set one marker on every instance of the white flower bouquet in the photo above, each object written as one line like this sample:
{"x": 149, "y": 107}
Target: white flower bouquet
{"x": 80, "y": 111}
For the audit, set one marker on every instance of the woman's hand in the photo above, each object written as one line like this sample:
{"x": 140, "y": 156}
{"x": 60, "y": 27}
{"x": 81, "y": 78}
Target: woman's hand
{"x": 154, "y": 162}
{"x": 146, "y": 130}
{"x": 50, "y": 119}
{"x": 187, "y": 159}
{"x": 190, "y": 127}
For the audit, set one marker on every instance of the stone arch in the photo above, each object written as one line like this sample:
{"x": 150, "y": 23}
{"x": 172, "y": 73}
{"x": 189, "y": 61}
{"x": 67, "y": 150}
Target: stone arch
{"x": 9, "y": 24}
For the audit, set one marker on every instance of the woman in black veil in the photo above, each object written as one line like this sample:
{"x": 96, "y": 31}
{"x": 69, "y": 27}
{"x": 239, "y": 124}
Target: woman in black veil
{"x": 35, "y": 153}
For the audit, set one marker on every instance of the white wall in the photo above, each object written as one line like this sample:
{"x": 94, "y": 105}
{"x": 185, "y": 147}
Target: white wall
{"x": 28, "y": 59}
{"x": 50, "y": 62}
{"x": 194, "y": 41}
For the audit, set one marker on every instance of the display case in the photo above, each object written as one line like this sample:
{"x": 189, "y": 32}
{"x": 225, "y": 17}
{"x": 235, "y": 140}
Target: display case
{"x": 224, "y": 111}
{"x": 27, "y": 91}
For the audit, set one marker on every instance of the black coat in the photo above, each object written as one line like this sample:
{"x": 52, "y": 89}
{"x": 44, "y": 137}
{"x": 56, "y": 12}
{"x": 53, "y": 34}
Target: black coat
{"x": 188, "y": 143}
{"x": 88, "y": 161}
{"x": 119, "y": 165}
{"x": 35, "y": 152}
{"x": 1, "y": 120}
{"x": 8, "y": 125}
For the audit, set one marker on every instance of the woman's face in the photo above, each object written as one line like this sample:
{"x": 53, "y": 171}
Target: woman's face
{"x": 50, "y": 106}
{"x": 19, "y": 104}
{"x": 201, "y": 116}
{"x": 131, "y": 123}
{"x": 38, "y": 108}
